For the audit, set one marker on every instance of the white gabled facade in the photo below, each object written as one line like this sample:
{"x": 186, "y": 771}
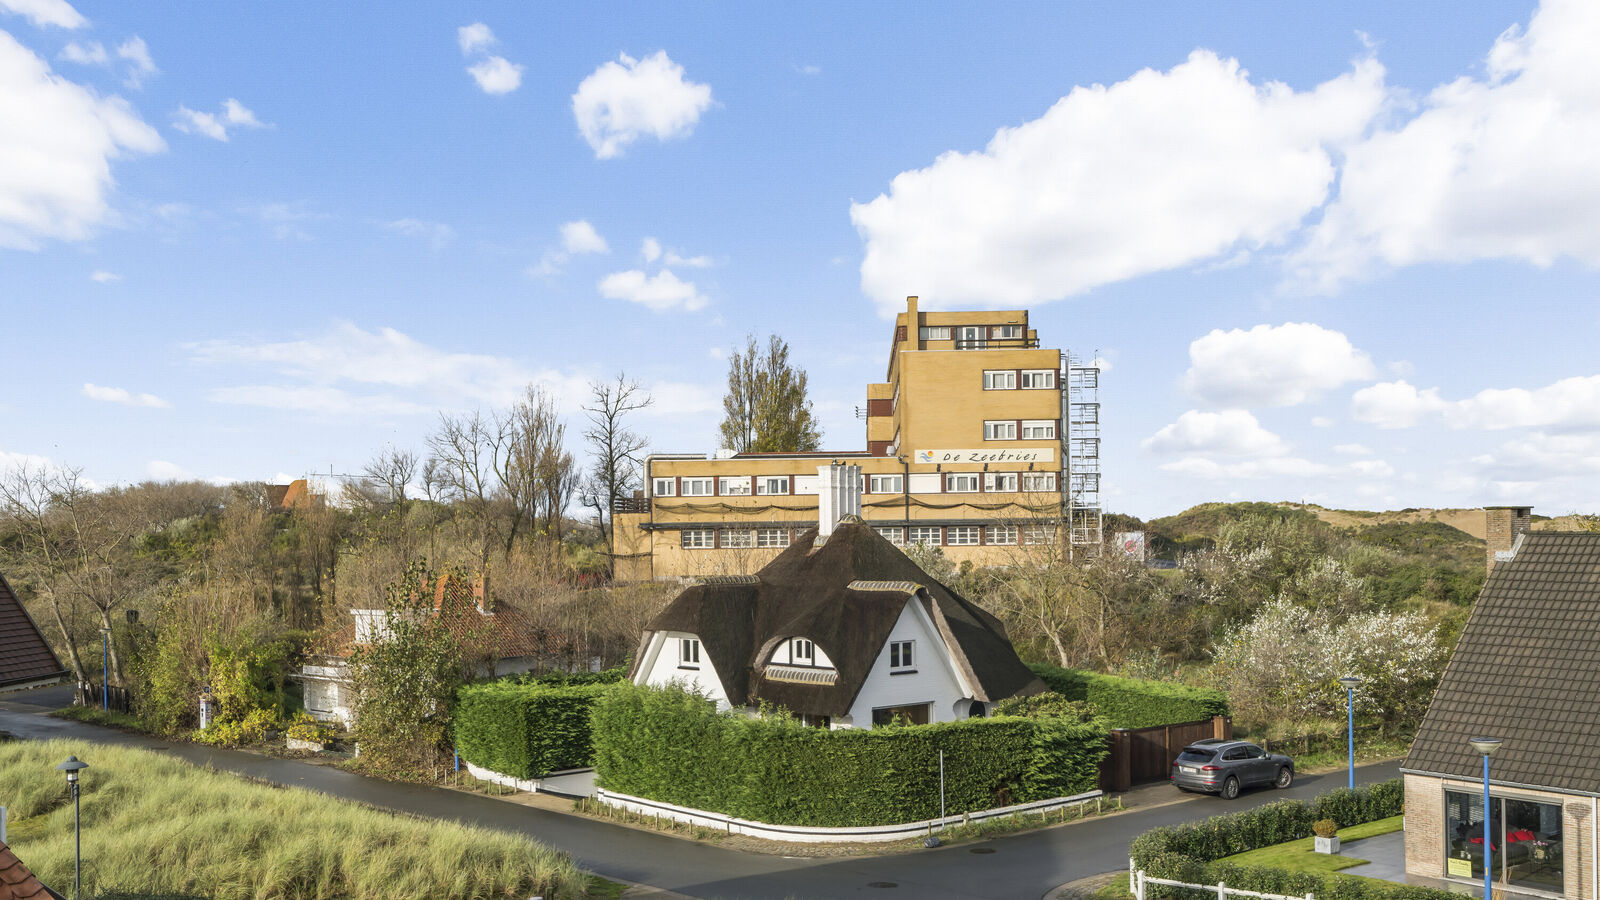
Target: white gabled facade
{"x": 932, "y": 677}
{"x": 668, "y": 658}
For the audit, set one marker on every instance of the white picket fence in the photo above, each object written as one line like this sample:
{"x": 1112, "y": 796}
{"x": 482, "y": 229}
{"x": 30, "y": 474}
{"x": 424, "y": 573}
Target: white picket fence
{"x": 1138, "y": 881}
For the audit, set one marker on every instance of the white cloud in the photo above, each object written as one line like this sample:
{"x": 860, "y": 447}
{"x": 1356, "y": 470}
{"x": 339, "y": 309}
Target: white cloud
{"x": 1271, "y": 467}
{"x": 161, "y": 470}
{"x": 717, "y": 353}
{"x": 1394, "y": 404}
{"x": 1272, "y": 365}
{"x": 622, "y": 101}
{"x": 284, "y": 220}
{"x": 650, "y": 249}
{"x": 497, "y": 75}
{"x": 57, "y": 143}
{"x": 1231, "y": 432}
{"x": 237, "y": 114}
{"x": 1101, "y": 363}
{"x": 103, "y": 277}
{"x": 474, "y": 37}
{"x": 660, "y": 292}
{"x": 577, "y": 239}
{"x": 140, "y": 66}
{"x": 1161, "y": 170}
{"x": 1351, "y": 450}
{"x": 89, "y": 53}
{"x": 1499, "y": 166}
{"x": 46, "y": 12}
{"x": 124, "y": 397}
{"x": 437, "y": 234}
{"x": 215, "y": 125}
{"x": 1571, "y": 404}
{"x": 1321, "y": 422}
{"x": 810, "y": 70}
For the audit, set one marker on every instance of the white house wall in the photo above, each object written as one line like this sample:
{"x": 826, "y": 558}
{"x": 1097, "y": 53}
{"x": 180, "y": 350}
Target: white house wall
{"x": 935, "y": 679}
{"x": 661, "y": 667}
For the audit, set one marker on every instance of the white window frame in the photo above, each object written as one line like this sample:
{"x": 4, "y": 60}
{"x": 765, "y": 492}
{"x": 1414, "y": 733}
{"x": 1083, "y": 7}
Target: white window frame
{"x": 1001, "y": 535}
{"x": 975, "y": 337}
{"x": 925, "y": 534}
{"x": 766, "y": 483}
{"x": 1035, "y": 535}
{"x": 1036, "y": 482}
{"x": 1006, "y": 332}
{"x": 801, "y": 648}
{"x": 961, "y": 536}
{"x": 733, "y": 486}
{"x": 665, "y": 487}
{"x": 894, "y": 534}
{"x": 738, "y": 538}
{"x": 885, "y": 484}
{"x": 999, "y": 429}
{"x": 1038, "y": 429}
{"x": 902, "y": 656}
{"x": 699, "y": 487}
{"x": 772, "y": 537}
{"x": 1000, "y": 482}
{"x": 933, "y": 333}
{"x": 999, "y": 379}
{"x": 961, "y": 482}
{"x": 697, "y": 538}
{"x": 1038, "y": 379}
{"x": 688, "y": 653}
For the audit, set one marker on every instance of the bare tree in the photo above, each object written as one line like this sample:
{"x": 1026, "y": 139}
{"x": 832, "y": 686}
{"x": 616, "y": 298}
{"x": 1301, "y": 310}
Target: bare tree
{"x": 614, "y": 448}
{"x": 465, "y": 471}
{"x": 536, "y": 471}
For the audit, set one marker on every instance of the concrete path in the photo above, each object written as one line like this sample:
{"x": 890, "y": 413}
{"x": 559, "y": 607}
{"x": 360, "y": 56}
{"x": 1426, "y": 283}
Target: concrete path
{"x": 1025, "y": 866}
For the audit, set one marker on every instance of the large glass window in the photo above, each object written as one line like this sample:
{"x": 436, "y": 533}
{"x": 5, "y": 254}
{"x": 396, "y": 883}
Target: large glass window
{"x": 1002, "y": 380}
{"x": 1525, "y": 840}
{"x": 884, "y": 484}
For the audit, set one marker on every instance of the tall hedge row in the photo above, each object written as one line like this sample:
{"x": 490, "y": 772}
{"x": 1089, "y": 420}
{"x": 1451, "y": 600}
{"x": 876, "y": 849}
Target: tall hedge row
{"x": 1131, "y": 702}
{"x": 525, "y": 730}
{"x": 1193, "y": 852}
{"x": 670, "y": 745}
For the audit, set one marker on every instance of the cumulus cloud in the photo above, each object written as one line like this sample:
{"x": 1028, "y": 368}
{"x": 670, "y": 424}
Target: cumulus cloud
{"x": 1272, "y": 365}
{"x": 652, "y": 250}
{"x": 1230, "y": 432}
{"x": 162, "y": 470}
{"x": 124, "y": 397}
{"x": 474, "y": 37}
{"x": 1351, "y": 450}
{"x": 1571, "y": 404}
{"x": 57, "y": 143}
{"x": 660, "y": 292}
{"x": 577, "y": 238}
{"x": 215, "y": 125}
{"x": 101, "y": 276}
{"x": 497, "y": 75}
{"x": 140, "y": 66}
{"x": 1394, "y": 404}
{"x": 1498, "y": 166}
{"x": 622, "y": 101}
{"x": 42, "y": 13}
{"x": 88, "y": 53}
{"x": 1161, "y": 170}
{"x": 436, "y": 234}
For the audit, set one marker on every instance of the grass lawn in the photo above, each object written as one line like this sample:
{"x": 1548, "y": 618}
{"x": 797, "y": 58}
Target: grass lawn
{"x": 94, "y": 715}
{"x": 1300, "y": 855}
{"x": 154, "y": 826}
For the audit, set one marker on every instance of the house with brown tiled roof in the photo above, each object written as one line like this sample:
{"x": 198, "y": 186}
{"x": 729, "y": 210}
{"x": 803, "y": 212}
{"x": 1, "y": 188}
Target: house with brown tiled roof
{"x": 496, "y": 638}
{"x": 17, "y": 883}
{"x": 26, "y": 660}
{"x": 1527, "y": 672}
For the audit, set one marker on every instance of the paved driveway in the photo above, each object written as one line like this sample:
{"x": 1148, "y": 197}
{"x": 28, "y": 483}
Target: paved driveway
{"x": 1024, "y": 866}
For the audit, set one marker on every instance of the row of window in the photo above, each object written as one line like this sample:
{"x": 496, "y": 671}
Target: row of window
{"x": 969, "y": 333}
{"x": 733, "y": 538}
{"x": 954, "y": 483}
{"x": 902, "y": 654}
{"x": 1013, "y": 379}
{"x": 1027, "y": 429}
{"x": 967, "y": 535}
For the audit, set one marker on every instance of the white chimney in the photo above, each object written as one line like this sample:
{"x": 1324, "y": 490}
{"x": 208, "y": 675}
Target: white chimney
{"x": 838, "y": 495}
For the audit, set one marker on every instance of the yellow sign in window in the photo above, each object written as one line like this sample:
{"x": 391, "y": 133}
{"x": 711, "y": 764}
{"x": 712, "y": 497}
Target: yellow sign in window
{"x": 1460, "y": 868}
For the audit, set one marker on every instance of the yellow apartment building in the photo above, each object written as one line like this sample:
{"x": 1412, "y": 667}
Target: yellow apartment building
{"x": 979, "y": 440}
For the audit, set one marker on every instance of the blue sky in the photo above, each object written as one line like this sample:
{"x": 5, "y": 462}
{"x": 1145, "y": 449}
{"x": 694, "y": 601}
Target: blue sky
{"x": 1342, "y": 255}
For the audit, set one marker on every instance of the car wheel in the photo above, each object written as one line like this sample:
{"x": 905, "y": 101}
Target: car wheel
{"x": 1285, "y": 778}
{"x": 1230, "y": 788}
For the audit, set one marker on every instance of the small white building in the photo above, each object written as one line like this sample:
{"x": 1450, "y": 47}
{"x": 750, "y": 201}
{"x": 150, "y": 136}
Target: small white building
{"x": 843, "y": 631}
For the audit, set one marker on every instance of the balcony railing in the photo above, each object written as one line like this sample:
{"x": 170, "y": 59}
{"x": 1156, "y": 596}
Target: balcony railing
{"x": 630, "y": 505}
{"x": 996, "y": 343}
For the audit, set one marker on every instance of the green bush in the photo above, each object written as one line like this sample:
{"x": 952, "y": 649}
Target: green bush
{"x": 525, "y": 730}
{"x": 671, "y": 745}
{"x": 1131, "y": 702}
{"x": 252, "y": 729}
{"x": 604, "y": 676}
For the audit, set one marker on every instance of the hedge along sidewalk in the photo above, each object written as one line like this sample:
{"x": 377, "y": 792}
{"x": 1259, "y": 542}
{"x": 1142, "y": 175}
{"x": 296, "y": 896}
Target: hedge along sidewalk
{"x": 1193, "y": 852}
{"x": 525, "y": 731}
{"x": 1133, "y": 702}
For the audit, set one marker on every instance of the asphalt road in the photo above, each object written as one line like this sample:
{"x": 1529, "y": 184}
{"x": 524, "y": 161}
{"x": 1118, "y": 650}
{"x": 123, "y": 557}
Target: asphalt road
{"x": 1024, "y": 866}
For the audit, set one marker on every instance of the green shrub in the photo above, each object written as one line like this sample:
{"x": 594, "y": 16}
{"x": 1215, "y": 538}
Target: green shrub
{"x": 1324, "y": 828}
{"x": 672, "y": 745}
{"x": 1048, "y": 704}
{"x": 252, "y": 729}
{"x": 306, "y": 728}
{"x": 604, "y": 676}
{"x": 525, "y": 730}
{"x": 1131, "y": 702}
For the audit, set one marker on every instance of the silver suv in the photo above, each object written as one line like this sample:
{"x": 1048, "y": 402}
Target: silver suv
{"x": 1216, "y": 766}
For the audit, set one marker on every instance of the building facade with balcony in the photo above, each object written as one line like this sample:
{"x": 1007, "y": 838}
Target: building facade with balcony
{"x": 969, "y": 447}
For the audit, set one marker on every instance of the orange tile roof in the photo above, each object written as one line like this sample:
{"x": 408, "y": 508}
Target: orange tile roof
{"x": 501, "y": 631}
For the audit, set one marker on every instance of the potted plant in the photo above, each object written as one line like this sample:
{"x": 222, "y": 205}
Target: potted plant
{"x": 1327, "y": 835}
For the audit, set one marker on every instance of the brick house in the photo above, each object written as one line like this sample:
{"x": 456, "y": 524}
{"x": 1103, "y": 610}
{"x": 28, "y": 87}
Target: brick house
{"x": 1526, "y": 671}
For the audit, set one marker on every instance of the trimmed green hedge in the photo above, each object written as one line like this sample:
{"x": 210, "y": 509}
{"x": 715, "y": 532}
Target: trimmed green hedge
{"x": 671, "y": 745}
{"x": 1131, "y": 702}
{"x": 525, "y": 730}
{"x": 1194, "y": 851}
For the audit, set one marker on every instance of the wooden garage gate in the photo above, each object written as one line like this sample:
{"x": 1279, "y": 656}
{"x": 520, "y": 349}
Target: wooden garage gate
{"x": 1142, "y": 755}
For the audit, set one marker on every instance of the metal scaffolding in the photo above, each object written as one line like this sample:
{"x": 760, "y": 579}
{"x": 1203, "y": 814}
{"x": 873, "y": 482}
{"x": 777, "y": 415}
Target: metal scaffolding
{"x": 1080, "y": 456}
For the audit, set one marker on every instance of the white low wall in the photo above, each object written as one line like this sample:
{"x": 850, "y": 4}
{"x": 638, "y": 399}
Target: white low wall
{"x": 812, "y": 835}
{"x": 531, "y": 785}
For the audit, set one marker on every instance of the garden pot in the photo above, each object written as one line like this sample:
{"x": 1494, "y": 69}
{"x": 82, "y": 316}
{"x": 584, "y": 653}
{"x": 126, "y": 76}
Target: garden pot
{"x": 1327, "y": 844}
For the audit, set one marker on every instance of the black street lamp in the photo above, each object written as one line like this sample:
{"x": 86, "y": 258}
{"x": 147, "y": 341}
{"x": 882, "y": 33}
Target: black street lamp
{"x": 72, "y": 767}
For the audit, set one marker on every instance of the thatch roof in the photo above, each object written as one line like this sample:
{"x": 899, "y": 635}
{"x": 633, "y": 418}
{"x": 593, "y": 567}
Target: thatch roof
{"x": 846, "y": 596}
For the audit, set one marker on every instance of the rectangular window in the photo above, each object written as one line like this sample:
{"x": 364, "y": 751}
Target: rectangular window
{"x": 697, "y": 487}
{"x": 924, "y": 534}
{"x": 734, "y": 487}
{"x": 1039, "y": 430}
{"x": 1007, "y": 332}
{"x": 895, "y": 536}
{"x": 688, "y": 653}
{"x": 1001, "y": 535}
{"x": 1526, "y": 838}
{"x": 738, "y": 537}
{"x": 1038, "y": 379}
{"x": 772, "y": 537}
{"x": 1001, "y": 482}
{"x": 666, "y": 487}
{"x": 961, "y": 535}
{"x": 901, "y": 655}
{"x": 961, "y": 482}
{"x": 885, "y": 484}
{"x": 999, "y": 380}
{"x": 772, "y": 484}
{"x": 934, "y": 332}
{"x": 697, "y": 538}
{"x": 1002, "y": 430}
{"x": 1038, "y": 481}
{"x": 802, "y": 651}
{"x": 1038, "y": 534}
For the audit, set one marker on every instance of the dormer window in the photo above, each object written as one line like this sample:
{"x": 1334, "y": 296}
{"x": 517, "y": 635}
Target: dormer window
{"x": 803, "y": 651}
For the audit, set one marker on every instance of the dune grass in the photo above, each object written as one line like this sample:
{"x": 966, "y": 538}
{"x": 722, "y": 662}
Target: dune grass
{"x": 154, "y": 826}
